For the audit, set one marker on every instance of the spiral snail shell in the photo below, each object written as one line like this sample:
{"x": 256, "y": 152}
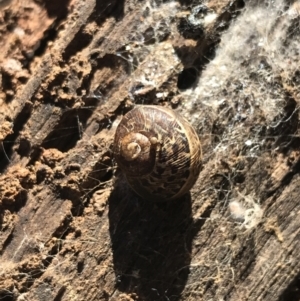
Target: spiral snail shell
{"x": 159, "y": 152}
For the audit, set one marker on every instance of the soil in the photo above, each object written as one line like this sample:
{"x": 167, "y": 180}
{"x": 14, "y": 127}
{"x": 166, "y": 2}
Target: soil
{"x": 71, "y": 227}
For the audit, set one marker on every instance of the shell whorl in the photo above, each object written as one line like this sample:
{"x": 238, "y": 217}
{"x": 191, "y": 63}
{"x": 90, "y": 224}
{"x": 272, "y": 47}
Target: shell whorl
{"x": 159, "y": 152}
{"x": 136, "y": 153}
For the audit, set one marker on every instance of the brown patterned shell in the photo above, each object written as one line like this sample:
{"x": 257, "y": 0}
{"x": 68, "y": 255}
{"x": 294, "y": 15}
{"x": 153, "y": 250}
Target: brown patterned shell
{"x": 159, "y": 152}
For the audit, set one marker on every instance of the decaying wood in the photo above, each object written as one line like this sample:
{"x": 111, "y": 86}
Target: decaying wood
{"x": 71, "y": 228}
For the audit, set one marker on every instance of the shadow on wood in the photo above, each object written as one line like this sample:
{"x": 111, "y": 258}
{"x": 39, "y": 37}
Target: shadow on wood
{"x": 151, "y": 244}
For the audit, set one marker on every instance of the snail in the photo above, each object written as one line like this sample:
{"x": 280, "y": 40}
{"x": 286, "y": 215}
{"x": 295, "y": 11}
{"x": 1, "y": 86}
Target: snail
{"x": 158, "y": 151}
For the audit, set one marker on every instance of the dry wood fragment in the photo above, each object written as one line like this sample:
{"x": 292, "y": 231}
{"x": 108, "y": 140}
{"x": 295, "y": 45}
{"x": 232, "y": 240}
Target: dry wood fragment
{"x": 71, "y": 228}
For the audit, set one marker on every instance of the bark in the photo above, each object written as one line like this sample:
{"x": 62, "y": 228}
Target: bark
{"x": 71, "y": 228}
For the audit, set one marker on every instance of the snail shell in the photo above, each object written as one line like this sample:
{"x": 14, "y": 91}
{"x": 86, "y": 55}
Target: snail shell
{"x": 159, "y": 152}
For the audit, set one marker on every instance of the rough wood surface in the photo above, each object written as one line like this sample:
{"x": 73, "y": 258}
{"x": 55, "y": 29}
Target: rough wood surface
{"x": 71, "y": 228}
